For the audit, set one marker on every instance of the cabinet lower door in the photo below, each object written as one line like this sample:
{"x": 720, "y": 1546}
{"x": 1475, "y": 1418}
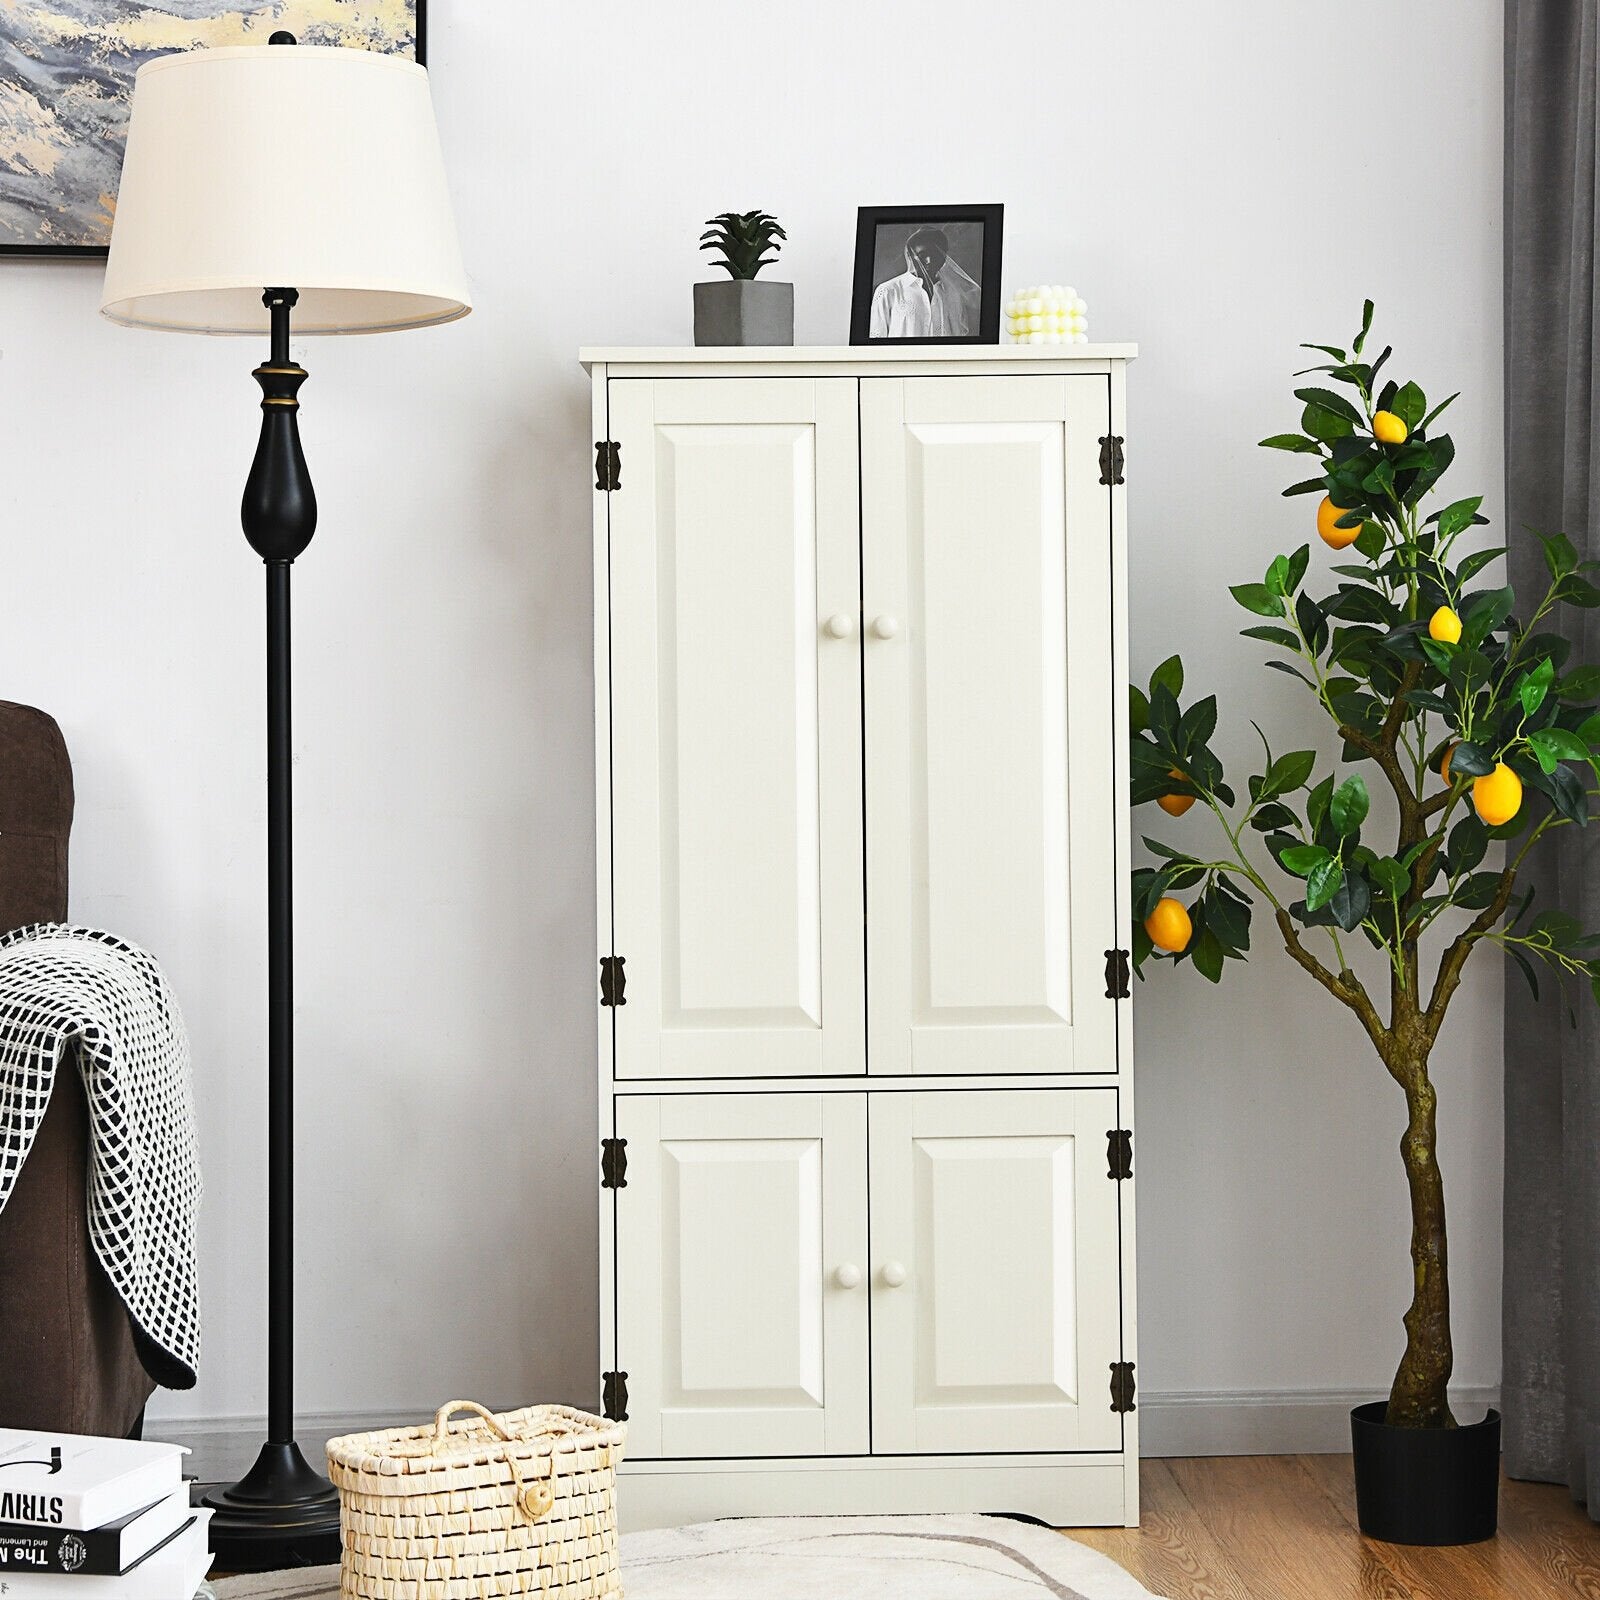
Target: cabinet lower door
{"x": 986, "y": 584}
{"x": 996, "y": 1305}
{"x": 741, "y": 1274}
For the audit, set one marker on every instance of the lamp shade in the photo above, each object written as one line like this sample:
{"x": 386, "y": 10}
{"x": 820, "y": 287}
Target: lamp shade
{"x": 283, "y": 166}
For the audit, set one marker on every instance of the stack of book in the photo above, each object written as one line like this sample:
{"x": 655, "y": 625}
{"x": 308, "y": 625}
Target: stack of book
{"x": 97, "y": 1519}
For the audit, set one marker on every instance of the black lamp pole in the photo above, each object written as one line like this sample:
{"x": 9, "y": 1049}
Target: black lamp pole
{"x": 282, "y": 1513}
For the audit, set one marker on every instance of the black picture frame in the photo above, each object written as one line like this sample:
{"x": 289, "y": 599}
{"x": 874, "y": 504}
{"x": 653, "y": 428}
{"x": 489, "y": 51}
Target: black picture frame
{"x": 870, "y": 218}
{"x": 98, "y": 252}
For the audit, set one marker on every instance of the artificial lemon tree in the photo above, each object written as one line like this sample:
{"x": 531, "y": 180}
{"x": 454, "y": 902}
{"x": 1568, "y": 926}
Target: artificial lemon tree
{"x": 1447, "y": 694}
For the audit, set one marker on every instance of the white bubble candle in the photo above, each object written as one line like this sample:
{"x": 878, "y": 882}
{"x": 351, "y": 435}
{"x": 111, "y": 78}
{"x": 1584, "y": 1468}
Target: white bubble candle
{"x": 1048, "y": 313}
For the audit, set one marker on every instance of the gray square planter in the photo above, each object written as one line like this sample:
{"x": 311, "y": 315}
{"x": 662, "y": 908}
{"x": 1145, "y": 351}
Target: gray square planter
{"x": 743, "y": 311}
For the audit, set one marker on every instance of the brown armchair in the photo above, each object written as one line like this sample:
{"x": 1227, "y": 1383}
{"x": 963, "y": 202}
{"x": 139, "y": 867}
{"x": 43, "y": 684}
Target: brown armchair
{"x": 69, "y": 1361}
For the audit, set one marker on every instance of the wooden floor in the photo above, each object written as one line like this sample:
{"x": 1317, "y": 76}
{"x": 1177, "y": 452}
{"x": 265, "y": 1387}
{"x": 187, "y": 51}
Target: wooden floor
{"x": 1284, "y": 1528}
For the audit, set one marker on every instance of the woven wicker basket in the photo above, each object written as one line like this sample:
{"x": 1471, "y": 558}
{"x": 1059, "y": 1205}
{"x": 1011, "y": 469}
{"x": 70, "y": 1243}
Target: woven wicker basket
{"x": 523, "y": 1503}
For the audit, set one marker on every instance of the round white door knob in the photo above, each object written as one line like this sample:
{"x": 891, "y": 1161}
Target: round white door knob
{"x": 840, "y": 625}
{"x": 893, "y": 1274}
{"x": 847, "y": 1276}
{"x": 886, "y": 627}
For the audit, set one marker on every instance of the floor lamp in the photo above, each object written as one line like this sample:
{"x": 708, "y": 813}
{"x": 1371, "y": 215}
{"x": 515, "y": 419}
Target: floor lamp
{"x": 267, "y": 186}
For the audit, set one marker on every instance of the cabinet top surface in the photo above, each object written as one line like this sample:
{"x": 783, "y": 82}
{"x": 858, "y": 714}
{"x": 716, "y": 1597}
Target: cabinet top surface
{"x": 864, "y": 355}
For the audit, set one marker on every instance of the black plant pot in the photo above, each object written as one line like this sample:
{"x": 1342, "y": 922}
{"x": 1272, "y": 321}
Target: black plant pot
{"x": 1425, "y": 1485}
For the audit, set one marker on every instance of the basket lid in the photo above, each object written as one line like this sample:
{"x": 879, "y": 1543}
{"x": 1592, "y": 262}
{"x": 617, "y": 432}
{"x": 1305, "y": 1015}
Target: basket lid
{"x": 529, "y": 1433}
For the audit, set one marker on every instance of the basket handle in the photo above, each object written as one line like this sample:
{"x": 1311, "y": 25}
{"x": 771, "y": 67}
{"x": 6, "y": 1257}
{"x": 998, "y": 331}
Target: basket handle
{"x": 532, "y": 1501}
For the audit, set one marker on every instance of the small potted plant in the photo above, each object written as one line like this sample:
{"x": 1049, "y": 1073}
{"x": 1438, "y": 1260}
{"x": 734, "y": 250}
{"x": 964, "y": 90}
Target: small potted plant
{"x": 743, "y": 310}
{"x": 1469, "y": 715}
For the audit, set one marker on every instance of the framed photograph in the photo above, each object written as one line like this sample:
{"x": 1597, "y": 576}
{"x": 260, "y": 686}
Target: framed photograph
{"x": 927, "y": 275}
{"x": 66, "y": 83}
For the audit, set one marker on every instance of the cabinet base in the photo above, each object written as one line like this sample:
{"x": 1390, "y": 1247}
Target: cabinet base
{"x": 1071, "y": 1494}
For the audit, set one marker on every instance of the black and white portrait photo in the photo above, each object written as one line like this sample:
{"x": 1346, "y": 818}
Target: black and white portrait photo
{"x": 927, "y": 275}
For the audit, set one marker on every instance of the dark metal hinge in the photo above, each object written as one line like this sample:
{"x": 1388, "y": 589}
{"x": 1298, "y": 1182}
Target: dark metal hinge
{"x": 613, "y": 981}
{"x": 1122, "y": 1386}
{"x": 615, "y": 1392}
{"x": 1116, "y": 974}
{"x": 1119, "y": 1153}
{"x": 1111, "y": 460}
{"x": 613, "y": 1163}
{"x": 607, "y": 464}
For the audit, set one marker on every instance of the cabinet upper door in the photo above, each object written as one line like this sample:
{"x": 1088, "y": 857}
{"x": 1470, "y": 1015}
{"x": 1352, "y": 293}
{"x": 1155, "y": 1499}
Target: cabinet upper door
{"x": 989, "y": 738}
{"x": 996, "y": 1303}
{"x": 741, "y": 1274}
{"x": 736, "y": 727}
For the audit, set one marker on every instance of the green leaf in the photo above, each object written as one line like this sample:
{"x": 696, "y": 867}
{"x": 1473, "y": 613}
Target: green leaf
{"x": 1278, "y": 574}
{"x": 1478, "y": 890}
{"x": 1270, "y": 635}
{"x": 1557, "y": 744}
{"x": 1306, "y": 486}
{"x": 1272, "y": 815}
{"x": 1198, "y": 724}
{"x": 1409, "y": 404}
{"x": 1578, "y": 591}
{"x": 1257, "y": 597}
{"x": 1350, "y": 804}
{"x": 1486, "y": 613}
{"x": 1559, "y": 556}
{"x": 1297, "y": 442}
{"x": 1350, "y": 902}
{"x": 1303, "y": 859}
{"x": 1289, "y": 772}
{"x": 1298, "y": 563}
{"x": 1207, "y": 954}
{"x": 1469, "y": 760}
{"x": 1293, "y": 671}
{"x": 1535, "y": 686}
{"x": 1582, "y": 683}
{"x": 1330, "y": 401}
{"x": 1469, "y": 841}
{"x": 1527, "y": 970}
{"x": 1229, "y": 919}
{"x": 1317, "y": 803}
{"x": 1138, "y": 709}
{"x": 1324, "y": 423}
{"x": 1366, "y": 327}
{"x": 1327, "y": 350}
{"x": 1390, "y": 876}
{"x": 1312, "y": 623}
{"x": 1457, "y": 516}
{"x": 1476, "y": 562}
{"x": 1371, "y": 540}
{"x": 1323, "y": 883}
{"x": 1170, "y": 675}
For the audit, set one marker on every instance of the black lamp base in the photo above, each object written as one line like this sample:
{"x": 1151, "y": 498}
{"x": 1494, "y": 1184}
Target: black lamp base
{"x": 282, "y": 1513}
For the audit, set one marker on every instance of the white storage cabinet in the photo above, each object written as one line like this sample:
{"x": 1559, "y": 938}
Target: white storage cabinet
{"x": 866, "y": 1234}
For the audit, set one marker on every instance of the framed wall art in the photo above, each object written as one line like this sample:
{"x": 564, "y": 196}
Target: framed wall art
{"x": 66, "y": 81}
{"x": 927, "y": 275}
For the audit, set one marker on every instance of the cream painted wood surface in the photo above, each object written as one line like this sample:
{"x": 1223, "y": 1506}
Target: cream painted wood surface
{"x": 741, "y": 1281}
{"x": 860, "y": 777}
{"x": 995, "y": 1307}
{"x": 736, "y": 734}
{"x": 986, "y": 597}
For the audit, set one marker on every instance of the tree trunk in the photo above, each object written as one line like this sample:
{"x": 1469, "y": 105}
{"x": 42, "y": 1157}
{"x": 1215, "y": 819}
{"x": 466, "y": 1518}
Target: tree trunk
{"x": 1419, "y": 1398}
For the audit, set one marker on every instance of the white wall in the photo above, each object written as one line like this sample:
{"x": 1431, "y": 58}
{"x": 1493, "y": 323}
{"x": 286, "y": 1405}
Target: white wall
{"x": 1220, "y": 181}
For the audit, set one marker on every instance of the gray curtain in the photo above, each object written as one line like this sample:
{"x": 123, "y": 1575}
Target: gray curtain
{"x": 1551, "y": 1385}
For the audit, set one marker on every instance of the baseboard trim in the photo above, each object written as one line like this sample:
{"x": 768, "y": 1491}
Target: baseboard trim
{"x": 1226, "y": 1422}
{"x": 1214, "y": 1422}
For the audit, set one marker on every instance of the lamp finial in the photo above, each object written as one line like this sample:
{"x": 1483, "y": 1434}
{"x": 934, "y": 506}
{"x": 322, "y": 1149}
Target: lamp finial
{"x": 283, "y": 36}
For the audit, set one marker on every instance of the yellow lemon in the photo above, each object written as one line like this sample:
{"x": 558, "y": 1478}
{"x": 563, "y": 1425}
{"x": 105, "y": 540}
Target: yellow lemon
{"x": 1169, "y": 926}
{"x": 1328, "y": 515}
{"x": 1175, "y": 804}
{"x": 1497, "y": 795}
{"x": 1444, "y": 766}
{"x": 1387, "y": 428}
{"x": 1445, "y": 626}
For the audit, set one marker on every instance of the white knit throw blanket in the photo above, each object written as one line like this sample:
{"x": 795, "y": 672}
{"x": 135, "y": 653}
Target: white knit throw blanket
{"x": 59, "y": 985}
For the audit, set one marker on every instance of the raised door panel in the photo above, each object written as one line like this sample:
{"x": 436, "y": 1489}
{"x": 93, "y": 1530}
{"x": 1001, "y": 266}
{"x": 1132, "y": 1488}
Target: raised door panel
{"x": 736, "y": 728}
{"x": 996, "y": 1304}
{"x": 989, "y": 733}
{"x": 739, "y": 1332}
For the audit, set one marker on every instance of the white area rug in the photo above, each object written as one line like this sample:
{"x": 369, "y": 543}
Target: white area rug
{"x": 823, "y": 1558}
